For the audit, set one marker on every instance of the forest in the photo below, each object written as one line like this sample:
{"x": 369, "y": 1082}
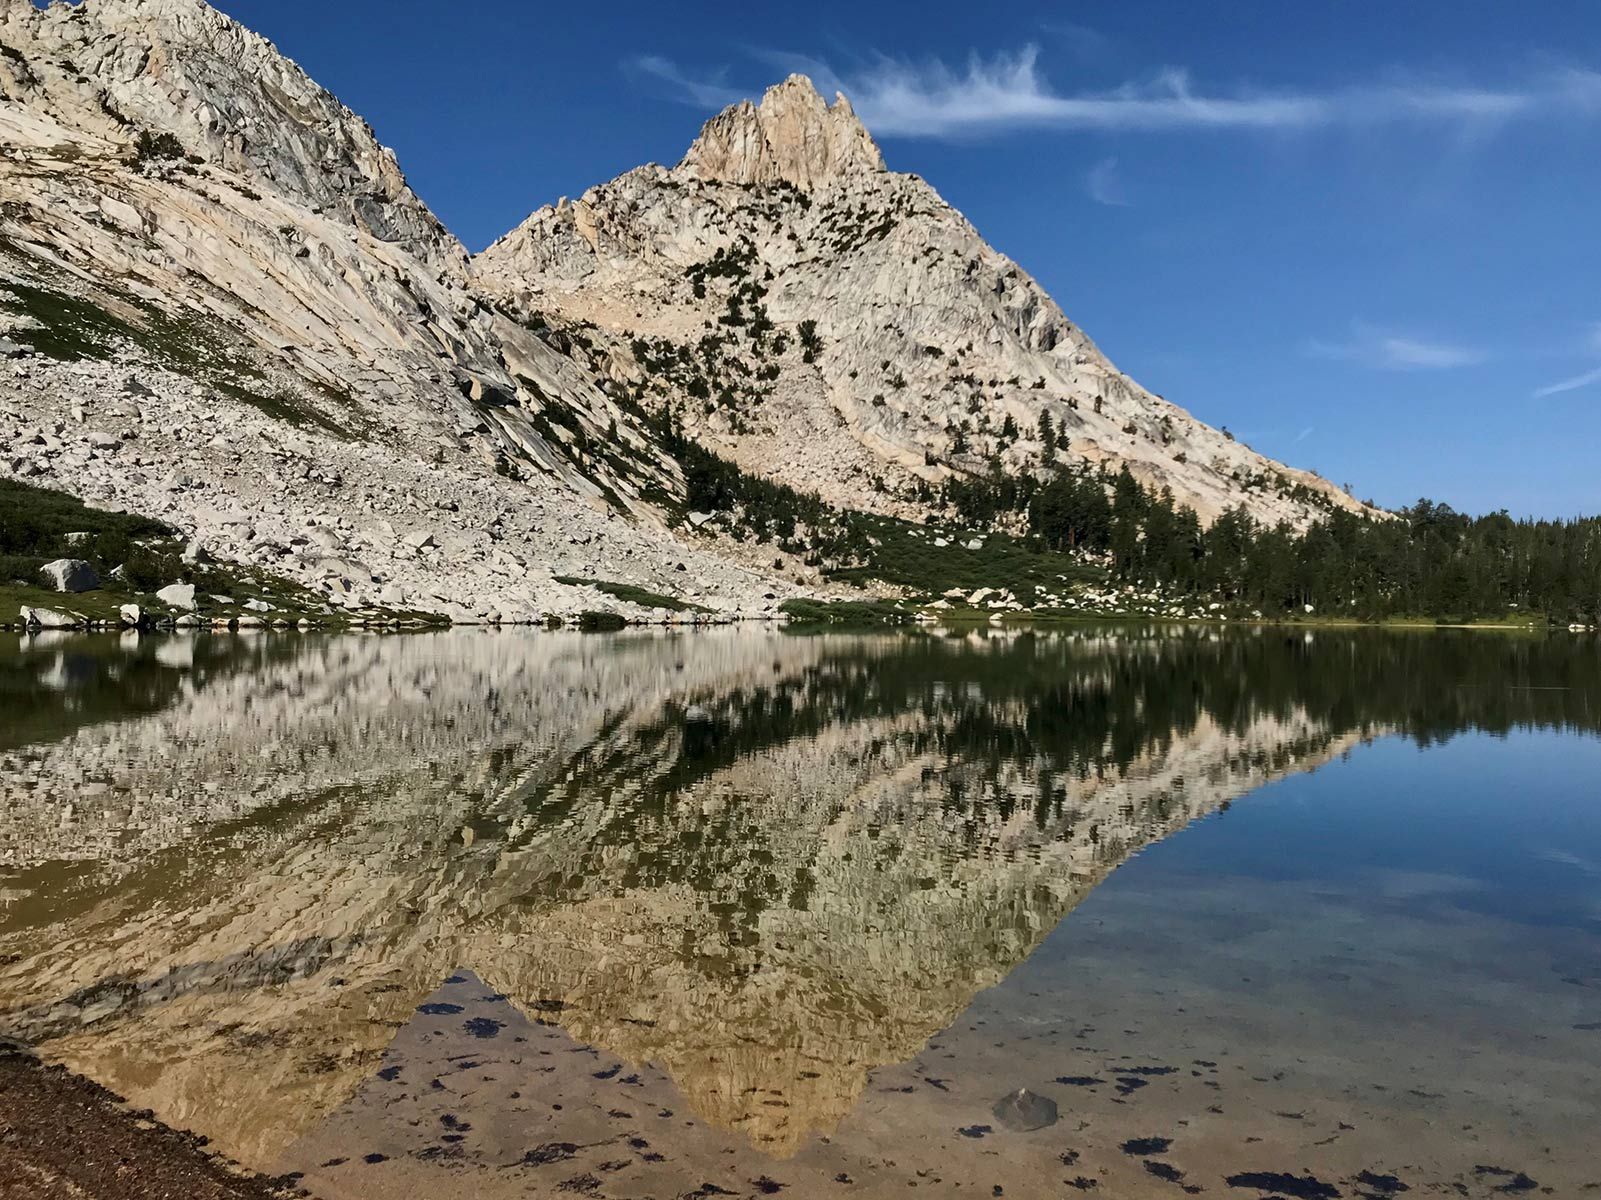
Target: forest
{"x": 1428, "y": 560}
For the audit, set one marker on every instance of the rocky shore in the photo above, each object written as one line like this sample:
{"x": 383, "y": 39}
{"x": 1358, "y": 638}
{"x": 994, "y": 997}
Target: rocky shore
{"x": 64, "y": 1137}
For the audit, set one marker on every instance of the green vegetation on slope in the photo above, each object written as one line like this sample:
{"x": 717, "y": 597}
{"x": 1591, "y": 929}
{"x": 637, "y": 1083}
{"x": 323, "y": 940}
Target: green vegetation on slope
{"x": 630, "y": 594}
{"x": 70, "y": 328}
{"x": 39, "y": 525}
{"x": 856, "y": 547}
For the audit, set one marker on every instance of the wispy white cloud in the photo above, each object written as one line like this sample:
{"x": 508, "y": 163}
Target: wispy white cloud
{"x": 706, "y": 93}
{"x": 1383, "y": 350}
{"x": 1105, "y": 185}
{"x": 1591, "y": 345}
{"x": 1083, "y": 41}
{"x": 1304, "y": 434}
{"x": 898, "y": 97}
{"x": 1568, "y": 385}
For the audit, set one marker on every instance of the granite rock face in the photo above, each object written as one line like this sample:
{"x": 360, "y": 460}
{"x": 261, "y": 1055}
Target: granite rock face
{"x": 792, "y": 137}
{"x": 934, "y": 354}
{"x": 226, "y": 95}
{"x": 220, "y": 261}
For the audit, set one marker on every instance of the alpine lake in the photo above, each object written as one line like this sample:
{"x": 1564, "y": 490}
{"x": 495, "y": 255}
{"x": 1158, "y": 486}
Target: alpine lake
{"x": 1100, "y": 910}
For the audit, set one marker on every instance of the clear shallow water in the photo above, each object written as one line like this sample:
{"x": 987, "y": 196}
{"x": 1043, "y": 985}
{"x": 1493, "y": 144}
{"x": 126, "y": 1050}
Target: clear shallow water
{"x": 654, "y": 915}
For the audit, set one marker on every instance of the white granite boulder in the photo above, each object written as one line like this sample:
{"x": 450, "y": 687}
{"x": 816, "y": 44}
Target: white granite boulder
{"x": 70, "y": 575}
{"x": 49, "y": 618}
{"x": 178, "y": 595}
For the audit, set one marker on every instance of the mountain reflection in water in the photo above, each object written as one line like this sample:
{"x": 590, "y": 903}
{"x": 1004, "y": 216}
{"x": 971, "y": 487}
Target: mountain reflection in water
{"x": 766, "y": 864}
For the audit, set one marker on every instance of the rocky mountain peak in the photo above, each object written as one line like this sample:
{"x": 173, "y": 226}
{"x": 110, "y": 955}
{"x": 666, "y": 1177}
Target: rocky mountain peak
{"x": 793, "y": 135}
{"x": 114, "y": 68}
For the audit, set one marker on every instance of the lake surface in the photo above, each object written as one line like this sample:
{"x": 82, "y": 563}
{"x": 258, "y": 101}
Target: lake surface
{"x": 742, "y": 913}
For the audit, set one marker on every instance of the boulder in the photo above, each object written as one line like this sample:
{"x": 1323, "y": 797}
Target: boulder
{"x": 258, "y": 606}
{"x": 49, "y": 618}
{"x": 132, "y": 614}
{"x": 1023, "y": 1111}
{"x": 70, "y": 575}
{"x": 349, "y": 568}
{"x": 178, "y": 595}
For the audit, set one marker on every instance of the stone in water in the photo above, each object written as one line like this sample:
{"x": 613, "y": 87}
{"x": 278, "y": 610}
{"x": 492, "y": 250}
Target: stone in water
{"x": 1023, "y": 1111}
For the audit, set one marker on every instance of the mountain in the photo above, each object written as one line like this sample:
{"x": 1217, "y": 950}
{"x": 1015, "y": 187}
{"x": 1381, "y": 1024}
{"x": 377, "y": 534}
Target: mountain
{"x": 839, "y": 327}
{"x": 245, "y": 322}
{"x": 222, "y": 305}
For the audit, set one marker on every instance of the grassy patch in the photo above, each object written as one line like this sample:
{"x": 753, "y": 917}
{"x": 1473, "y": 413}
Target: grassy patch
{"x": 855, "y": 612}
{"x": 64, "y": 327}
{"x": 70, "y": 328}
{"x": 39, "y": 525}
{"x": 283, "y": 406}
{"x": 98, "y": 605}
{"x": 908, "y": 556}
{"x": 601, "y": 622}
{"x": 629, "y": 594}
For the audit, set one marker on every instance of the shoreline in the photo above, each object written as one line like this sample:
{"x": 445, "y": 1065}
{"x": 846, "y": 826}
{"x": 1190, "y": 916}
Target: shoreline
{"x": 65, "y": 1137}
{"x": 916, "y": 618}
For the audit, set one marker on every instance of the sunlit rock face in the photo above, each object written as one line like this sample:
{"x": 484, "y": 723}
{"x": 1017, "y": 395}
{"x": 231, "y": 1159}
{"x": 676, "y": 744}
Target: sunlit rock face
{"x": 767, "y": 865}
{"x": 930, "y": 346}
{"x": 793, "y": 137}
{"x": 219, "y": 261}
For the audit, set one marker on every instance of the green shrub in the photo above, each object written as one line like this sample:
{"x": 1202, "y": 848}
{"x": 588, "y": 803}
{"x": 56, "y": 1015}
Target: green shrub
{"x": 156, "y": 147}
{"x": 630, "y": 594}
{"x": 35, "y": 522}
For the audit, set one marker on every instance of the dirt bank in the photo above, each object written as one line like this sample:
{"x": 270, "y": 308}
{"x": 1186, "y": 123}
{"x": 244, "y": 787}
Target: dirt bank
{"x": 62, "y": 1136}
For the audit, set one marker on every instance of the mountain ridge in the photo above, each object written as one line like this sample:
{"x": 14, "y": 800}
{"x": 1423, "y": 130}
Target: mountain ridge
{"x": 232, "y": 325}
{"x": 236, "y": 316}
{"x": 885, "y": 267}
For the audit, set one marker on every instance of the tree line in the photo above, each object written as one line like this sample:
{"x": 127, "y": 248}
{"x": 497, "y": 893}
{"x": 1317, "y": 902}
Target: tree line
{"x": 1428, "y": 561}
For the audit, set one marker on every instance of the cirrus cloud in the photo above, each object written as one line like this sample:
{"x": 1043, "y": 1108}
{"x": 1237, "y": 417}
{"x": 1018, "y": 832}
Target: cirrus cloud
{"x": 1104, "y": 185}
{"x": 1383, "y": 350}
{"x": 903, "y": 98}
{"x": 1592, "y": 345}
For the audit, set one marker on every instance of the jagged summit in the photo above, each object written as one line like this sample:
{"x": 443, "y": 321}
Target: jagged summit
{"x": 838, "y": 327}
{"x": 793, "y": 135}
{"x": 225, "y": 93}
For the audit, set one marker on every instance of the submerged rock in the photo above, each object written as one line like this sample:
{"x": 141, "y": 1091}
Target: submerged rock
{"x": 1024, "y": 1111}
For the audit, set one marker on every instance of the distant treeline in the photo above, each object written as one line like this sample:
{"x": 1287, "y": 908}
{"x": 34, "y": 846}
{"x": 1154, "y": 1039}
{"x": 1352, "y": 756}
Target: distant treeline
{"x": 1430, "y": 561}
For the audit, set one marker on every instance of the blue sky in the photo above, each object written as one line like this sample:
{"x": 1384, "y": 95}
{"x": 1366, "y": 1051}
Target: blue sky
{"x": 1362, "y": 236}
